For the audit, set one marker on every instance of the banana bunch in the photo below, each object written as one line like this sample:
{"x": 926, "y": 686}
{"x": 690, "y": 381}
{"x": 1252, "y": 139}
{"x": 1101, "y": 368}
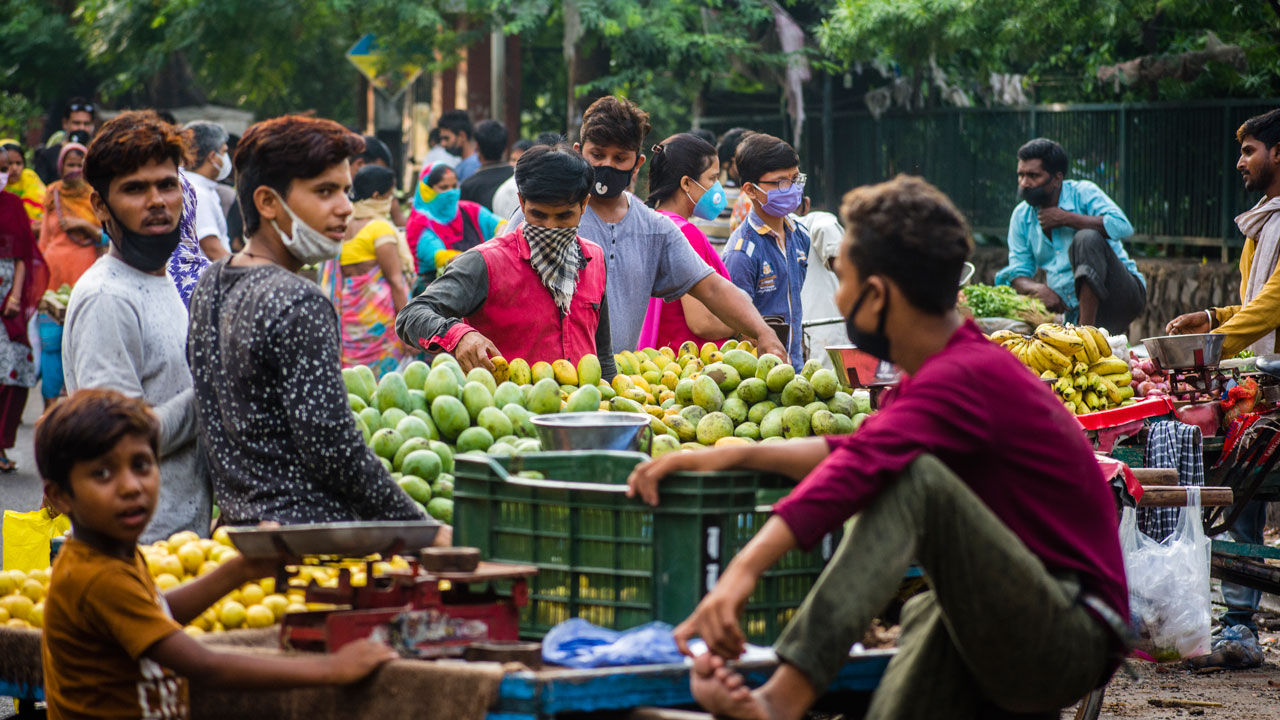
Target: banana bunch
{"x": 1087, "y": 376}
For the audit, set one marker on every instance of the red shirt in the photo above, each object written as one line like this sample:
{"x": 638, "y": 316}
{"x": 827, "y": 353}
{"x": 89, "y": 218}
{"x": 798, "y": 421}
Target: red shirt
{"x": 1006, "y": 435}
{"x": 519, "y": 315}
{"x": 664, "y": 325}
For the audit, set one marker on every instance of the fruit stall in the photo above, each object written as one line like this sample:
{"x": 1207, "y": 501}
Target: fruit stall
{"x": 528, "y": 462}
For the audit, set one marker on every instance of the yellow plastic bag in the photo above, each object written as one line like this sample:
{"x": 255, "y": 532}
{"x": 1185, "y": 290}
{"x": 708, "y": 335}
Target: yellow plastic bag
{"x": 27, "y": 536}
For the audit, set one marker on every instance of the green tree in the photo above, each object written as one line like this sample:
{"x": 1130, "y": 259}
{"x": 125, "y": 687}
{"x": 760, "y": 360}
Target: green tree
{"x": 1059, "y": 44}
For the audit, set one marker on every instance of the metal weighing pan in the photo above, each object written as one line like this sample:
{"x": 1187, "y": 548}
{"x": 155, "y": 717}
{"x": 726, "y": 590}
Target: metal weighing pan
{"x": 592, "y": 430}
{"x": 348, "y": 539}
{"x": 1186, "y": 352}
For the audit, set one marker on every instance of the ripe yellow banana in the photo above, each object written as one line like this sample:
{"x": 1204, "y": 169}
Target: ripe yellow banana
{"x": 1090, "y": 345}
{"x": 1000, "y": 336}
{"x": 1104, "y": 347}
{"x": 1110, "y": 366}
{"x": 1051, "y": 354}
{"x": 1113, "y": 392}
{"x": 1061, "y": 339}
{"x": 1120, "y": 379}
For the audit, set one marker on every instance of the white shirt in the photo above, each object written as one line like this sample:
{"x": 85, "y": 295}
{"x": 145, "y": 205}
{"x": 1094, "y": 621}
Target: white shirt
{"x": 506, "y": 199}
{"x": 438, "y": 154}
{"x": 209, "y": 217}
{"x": 817, "y": 297}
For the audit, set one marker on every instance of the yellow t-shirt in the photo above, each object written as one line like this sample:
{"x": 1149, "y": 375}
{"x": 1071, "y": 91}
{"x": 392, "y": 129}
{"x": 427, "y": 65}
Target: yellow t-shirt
{"x": 363, "y": 247}
{"x": 102, "y": 614}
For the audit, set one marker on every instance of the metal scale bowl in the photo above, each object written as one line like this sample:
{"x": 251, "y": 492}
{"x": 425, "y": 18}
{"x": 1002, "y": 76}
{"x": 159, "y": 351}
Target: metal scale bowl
{"x": 1192, "y": 363}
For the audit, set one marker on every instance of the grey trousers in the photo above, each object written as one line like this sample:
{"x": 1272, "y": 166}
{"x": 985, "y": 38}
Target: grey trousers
{"x": 1121, "y": 296}
{"x": 995, "y": 628}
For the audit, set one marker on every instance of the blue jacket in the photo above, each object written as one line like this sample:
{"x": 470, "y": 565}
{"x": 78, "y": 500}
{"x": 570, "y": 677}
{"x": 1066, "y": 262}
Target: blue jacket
{"x": 771, "y": 277}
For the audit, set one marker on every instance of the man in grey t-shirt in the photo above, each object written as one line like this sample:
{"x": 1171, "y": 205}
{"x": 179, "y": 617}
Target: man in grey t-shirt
{"x": 126, "y": 326}
{"x": 645, "y": 253}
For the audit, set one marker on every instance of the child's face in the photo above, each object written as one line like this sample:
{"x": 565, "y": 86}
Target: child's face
{"x": 112, "y": 495}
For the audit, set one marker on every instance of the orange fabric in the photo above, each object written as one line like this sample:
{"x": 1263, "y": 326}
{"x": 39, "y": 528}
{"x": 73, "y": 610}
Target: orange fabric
{"x": 100, "y": 618}
{"x": 66, "y": 258}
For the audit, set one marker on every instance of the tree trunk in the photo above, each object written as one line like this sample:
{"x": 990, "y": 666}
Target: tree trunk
{"x": 586, "y": 59}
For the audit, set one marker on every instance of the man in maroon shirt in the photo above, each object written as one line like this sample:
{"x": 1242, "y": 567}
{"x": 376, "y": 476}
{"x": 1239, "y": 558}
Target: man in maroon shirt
{"x": 973, "y": 469}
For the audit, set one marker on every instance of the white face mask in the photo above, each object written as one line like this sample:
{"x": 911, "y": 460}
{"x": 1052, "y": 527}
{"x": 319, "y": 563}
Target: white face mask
{"x": 4, "y": 179}
{"x": 307, "y": 245}
{"x": 224, "y": 169}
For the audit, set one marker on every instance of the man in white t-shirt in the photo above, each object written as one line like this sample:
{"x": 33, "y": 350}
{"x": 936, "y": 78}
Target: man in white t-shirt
{"x": 210, "y": 165}
{"x": 817, "y": 297}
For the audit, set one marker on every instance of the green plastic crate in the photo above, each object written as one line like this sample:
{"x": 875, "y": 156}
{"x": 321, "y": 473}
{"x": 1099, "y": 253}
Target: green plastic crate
{"x": 614, "y": 561}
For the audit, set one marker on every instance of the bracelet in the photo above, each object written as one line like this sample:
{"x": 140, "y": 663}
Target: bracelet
{"x": 1211, "y": 318}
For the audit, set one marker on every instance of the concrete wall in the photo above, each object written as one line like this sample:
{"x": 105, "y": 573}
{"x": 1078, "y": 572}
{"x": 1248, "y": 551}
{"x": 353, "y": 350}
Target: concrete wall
{"x": 1173, "y": 287}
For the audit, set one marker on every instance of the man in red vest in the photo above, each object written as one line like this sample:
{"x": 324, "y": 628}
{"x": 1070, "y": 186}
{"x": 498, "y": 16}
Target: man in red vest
{"x": 537, "y": 293}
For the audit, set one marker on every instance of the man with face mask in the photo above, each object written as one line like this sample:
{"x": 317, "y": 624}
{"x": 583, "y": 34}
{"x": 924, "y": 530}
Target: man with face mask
{"x": 209, "y": 165}
{"x": 1071, "y": 230}
{"x": 972, "y": 468}
{"x": 126, "y": 327}
{"x": 645, "y": 252}
{"x": 265, "y": 348}
{"x": 536, "y": 293}
{"x": 768, "y": 254}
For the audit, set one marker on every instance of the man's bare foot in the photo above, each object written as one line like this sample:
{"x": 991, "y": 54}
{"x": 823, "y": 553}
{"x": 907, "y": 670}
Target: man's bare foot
{"x": 722, "y": 692}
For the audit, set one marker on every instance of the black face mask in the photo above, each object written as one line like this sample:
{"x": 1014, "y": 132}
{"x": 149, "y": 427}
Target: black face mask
{"x": 1036, "y": 197}
{"x": 610, "y": 181}
{"x": 147, "y": 253}
{"x": 874, "y": 343}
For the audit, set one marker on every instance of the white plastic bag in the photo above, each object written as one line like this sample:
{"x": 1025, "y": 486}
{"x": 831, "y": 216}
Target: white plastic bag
{"x": 1169, "y": 585}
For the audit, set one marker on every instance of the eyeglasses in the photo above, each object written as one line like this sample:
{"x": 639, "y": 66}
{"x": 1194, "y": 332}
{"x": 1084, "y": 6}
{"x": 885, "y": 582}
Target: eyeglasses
{"x": 80, "y": 107}
{"x": 786, "y": 183}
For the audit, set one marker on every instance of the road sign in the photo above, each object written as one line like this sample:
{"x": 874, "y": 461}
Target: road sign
{"x": 369, "y": 60}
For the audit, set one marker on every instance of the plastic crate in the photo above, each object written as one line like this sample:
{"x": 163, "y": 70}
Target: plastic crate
{"x": 615, "y": 561}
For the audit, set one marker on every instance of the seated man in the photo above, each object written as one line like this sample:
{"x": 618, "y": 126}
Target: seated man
{"x": 535, "y": 293}
{"x": 1071, "y": 230}
{"x": 973, "y": 469}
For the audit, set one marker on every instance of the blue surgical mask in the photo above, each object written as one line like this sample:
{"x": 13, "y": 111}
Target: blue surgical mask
{"x": 444, "y": 207}
{"x": 781, "y": 203}
{"x": 712, "y": 202}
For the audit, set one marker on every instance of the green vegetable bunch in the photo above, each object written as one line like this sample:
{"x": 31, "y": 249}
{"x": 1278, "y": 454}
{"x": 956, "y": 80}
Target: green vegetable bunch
{"x": 986, "y": 301}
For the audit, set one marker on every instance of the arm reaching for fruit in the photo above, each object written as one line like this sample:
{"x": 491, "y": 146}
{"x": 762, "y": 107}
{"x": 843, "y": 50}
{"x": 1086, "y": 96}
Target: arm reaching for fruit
{"x": 192, "y": 659}
{"x": 433, "y": 321}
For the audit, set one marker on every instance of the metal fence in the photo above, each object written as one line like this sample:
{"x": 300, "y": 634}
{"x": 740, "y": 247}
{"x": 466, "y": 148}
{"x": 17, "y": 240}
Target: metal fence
{"x": 1170, "y": 166}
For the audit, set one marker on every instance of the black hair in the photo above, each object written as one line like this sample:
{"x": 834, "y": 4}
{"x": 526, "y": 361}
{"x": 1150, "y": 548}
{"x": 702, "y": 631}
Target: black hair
{"x": 78, "y": 104}
{"x": 1049, "y": 153}
{"x": 16, "y": 148}
{"x": 521, "y": 145}
{"x": 433, "y": 136}
{"x": 728, "y": 144}
{"x": 704, "y": 135}
{"x": 553, "y": 175}
{"x": 1264, "y": 128}
{"x": 759, "y": 154}
{"x": 167, "y": 116}
{"x": 910, "y": 232}
{"x": 87, "y": 425}
{"x": 438, "y": 172}
{"x": 491, "y": 140}
{"x": 372, "y": 180}
{"x": 456, "y": 121}
{"x": 678, "y": 156}
{"x": 375, "y": 150}
{"x": 548, "y": 138}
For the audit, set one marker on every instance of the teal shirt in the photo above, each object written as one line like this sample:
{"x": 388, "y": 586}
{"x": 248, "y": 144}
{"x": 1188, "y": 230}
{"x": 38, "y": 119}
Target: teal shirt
{"x": 1030, "y": 250}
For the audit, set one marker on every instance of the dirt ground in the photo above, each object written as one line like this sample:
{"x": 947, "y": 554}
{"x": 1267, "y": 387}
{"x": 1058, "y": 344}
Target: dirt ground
{"x": 1237, "y": 694}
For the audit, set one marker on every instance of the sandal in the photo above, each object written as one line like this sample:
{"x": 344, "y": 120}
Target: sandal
{"x": 7, "y": 465}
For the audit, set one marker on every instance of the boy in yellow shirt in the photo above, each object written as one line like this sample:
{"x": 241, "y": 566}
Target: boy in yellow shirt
{"x": 113, "y": 645}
